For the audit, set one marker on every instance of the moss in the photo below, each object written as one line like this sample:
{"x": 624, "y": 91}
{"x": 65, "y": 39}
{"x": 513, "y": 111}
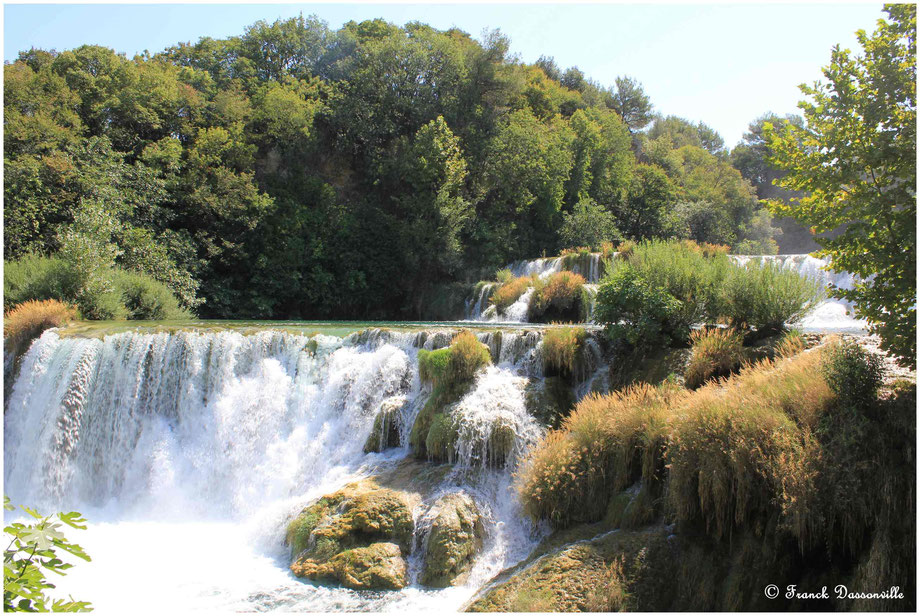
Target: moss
{"x": 432, "y": 365}
{"x": 451, "y": 372}
{"x": 379, "y": 566}
{"x": 441, "y": 440}
{"x": 455, "y": 537}
{"x": 329, "y": 538}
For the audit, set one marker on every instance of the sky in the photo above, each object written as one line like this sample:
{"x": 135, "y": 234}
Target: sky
{"x": 723, "y": 64}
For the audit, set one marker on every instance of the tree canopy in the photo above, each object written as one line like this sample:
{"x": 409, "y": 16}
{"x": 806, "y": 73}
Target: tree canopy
{"x": 295, "y": 171}
{"x": 855, "y": 161}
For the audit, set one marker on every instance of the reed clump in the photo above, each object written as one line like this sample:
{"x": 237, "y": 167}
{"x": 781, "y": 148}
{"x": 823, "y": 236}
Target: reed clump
{"x": 509, "y": 292}
{"x": 561, "y": 351}
{"x": 561, "y": 297}
{"x": 29, "y": 319}
{"x": 716, "y": 352}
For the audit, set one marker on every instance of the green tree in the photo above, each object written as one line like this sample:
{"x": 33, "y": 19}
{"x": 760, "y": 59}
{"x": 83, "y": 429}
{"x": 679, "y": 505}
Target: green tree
{"x": 589, "y": 224}
{"x": 855, "y": 159}
{"x": 631, "y": 102}
{"x": 31, "y": 554}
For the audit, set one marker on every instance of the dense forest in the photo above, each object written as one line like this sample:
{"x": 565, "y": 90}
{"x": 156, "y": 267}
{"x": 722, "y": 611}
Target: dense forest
{"x": 301, "y": 172}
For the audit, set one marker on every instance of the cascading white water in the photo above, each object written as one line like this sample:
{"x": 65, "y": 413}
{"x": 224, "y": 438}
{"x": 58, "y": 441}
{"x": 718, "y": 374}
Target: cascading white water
{"x": 830, "y": 314}
{"x": 188, "y": 453}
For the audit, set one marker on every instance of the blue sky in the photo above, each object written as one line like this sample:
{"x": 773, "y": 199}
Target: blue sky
{"x": 722, "y": 64}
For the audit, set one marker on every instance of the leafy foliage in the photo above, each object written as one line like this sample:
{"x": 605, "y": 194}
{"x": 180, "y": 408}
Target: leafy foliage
{"x": 32, "y": 553}
{"x": 295, "y": 171}
{"x": 855, "y": 160}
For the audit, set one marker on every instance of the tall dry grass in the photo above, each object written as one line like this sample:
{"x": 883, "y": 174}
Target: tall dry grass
{"x": 29, "y": 319}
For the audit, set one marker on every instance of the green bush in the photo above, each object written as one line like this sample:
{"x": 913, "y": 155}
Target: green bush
{"x": 765, "y": 296}
{"x": 708, "y": 287}
{"x": 147, "y": 299}
{"x": 34, "y": 277}
{"x": 120, "y": 295}
{"x": 853, "y": 373}
{"x": 687, "y": 272}
{"x": 633, "y": 309}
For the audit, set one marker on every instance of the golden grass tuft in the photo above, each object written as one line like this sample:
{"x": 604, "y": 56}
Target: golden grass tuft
{"x": 716, "y": 353}
{"x": 561, "y": 350}
{"x": 730, "y": 452}
{"x": 29, "y": 319}
{"x": 558, "y": 296}
{"x": 509, "y": 292}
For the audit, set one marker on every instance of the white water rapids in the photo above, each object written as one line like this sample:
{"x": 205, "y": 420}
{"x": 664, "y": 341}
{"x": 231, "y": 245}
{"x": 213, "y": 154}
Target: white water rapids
{"x": 189, "y": 452}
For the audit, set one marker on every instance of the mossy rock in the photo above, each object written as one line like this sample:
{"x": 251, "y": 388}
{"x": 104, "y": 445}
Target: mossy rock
{"x": 603, "y": 574}
{"x": 652, "y": 368}
{"x": 386, "y": 430}
{"x": 630, "y": 509}
{"x": 549, "y": 401}
{"x": 326, "y": 537}
{"x": 455, "y": 537}
{"x": 441, "y": 441}
{"x": 379, "y": 566}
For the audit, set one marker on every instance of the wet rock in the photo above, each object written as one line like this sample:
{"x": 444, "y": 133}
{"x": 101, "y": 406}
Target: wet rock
{"x": 340, "y": 537}
{"x": 455, "y": 537}
{"x": 386, "y": 430}
{"x": 379, "y": 566}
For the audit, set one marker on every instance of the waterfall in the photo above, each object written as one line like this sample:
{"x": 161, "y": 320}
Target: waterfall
{"x": 203, "y": 444}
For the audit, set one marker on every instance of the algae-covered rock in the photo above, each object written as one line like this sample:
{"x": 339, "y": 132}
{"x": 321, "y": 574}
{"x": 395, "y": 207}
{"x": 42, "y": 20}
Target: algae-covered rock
{"x": 340, "y": 537}
{"x": 454, "y": 539}
{"x": 379, "y": 566}
{"x": 386, "y": 430}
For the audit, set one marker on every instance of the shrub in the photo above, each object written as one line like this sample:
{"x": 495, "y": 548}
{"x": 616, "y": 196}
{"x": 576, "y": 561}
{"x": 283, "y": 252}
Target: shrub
{"x": 504, "y": 276}
{"x": 853, "y": 373}
{"x": 681, "y": 269}
{"x": 715, "y": 353}
{"x": 561, "y": 350}
{"x": 562, "y": 297}
{"x": 765, "y": 297}
{"x": 637, "y": 311}
{"x": 29, "y": 319}
{"x": 509, "y": 293}
{"x": 117, "y": 294}
{"x": 34, "y": 277}
{"x": 147, "y": 299}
